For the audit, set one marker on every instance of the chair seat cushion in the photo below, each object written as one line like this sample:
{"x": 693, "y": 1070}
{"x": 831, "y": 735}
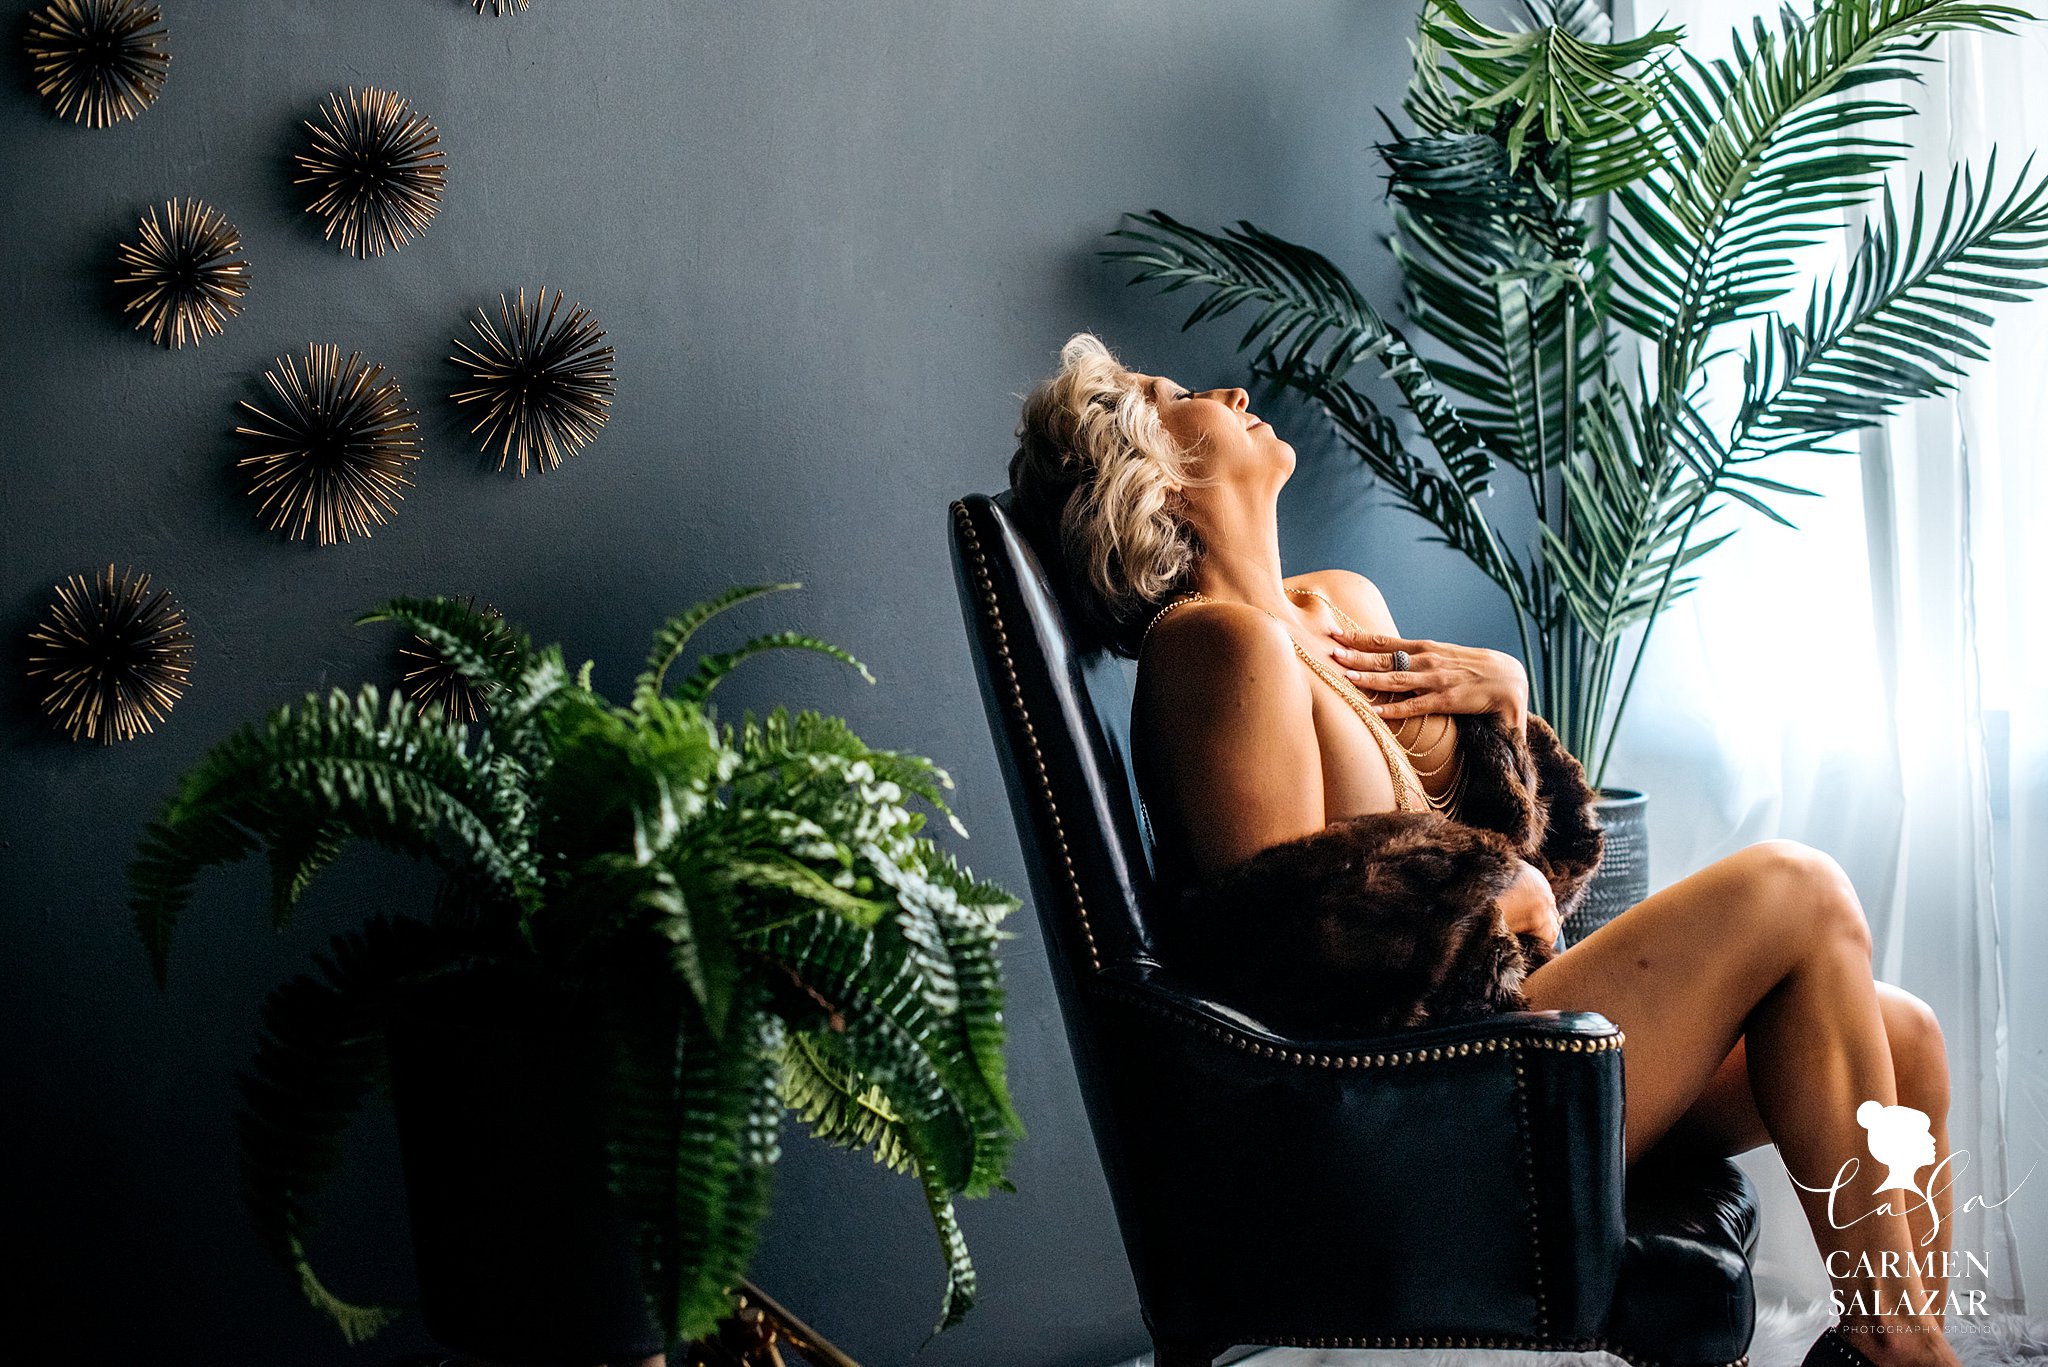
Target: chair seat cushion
{"x": 1685, "y": 1295}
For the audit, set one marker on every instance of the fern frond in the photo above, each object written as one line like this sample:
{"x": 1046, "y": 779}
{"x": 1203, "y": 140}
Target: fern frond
{"x": 783, "y": 746}
{"x": 711, "y": 668}
{"x": 520, "y": 720}
{"x": 321, "y": 1054}
{"x": 379, "y": 771}
{"x": 488, "y": 652}
{"x": 727, "y": 1145}
{"x": 961, "y": 1282}
{"x": 675, "y": 634}
{"x": 840, "y": 1107}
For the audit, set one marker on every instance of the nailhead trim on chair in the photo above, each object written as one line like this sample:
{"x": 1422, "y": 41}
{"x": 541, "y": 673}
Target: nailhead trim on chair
{"x": 1629, "y": 1356}
{"x": 1529, "y": 1191}
{"x": 1310, "y": 1058}
{"x": 972, "y": 543}
{"x": 1595, "y": 1345}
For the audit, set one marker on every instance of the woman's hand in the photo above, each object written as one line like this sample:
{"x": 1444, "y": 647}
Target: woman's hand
{"x": 1529, "y": 907}
{"x": 1441, "y": 676}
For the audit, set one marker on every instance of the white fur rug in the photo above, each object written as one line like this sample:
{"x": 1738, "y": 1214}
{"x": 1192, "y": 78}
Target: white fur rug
{"x": 1784, "y": 1332}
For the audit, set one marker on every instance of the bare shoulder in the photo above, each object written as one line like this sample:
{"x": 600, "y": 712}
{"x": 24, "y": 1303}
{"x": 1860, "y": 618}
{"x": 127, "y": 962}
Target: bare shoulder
{"x": 1210, "y": 665}
{"x": 1202, "y": 649}
{"x": 1225, "y": 720}
{"x": 1357, "y": 595}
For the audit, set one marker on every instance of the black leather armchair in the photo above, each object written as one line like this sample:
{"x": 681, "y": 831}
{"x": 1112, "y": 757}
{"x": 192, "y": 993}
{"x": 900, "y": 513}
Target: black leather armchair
{"x": 1458, "y": 1186}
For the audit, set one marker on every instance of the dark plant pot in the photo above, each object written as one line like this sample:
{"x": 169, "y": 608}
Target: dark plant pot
{"x": 525, "y": 1257}
{"x": 1623, "y": 878}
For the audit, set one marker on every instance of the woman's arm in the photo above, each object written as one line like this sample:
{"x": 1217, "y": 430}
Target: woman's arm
{"x": 1430, "y": 738}
{"x": 1230, "y": 716}
{"x": 1530, "y": 785}
{"x": 1443, "y": 678}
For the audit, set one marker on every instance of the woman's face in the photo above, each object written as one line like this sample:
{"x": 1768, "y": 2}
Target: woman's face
{"x": 1216, "y": 427}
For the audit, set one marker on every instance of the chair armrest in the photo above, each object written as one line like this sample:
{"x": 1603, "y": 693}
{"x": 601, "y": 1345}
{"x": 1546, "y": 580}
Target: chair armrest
{"x": 1454, "y": 1181}
{"x": 1167, "y": 993}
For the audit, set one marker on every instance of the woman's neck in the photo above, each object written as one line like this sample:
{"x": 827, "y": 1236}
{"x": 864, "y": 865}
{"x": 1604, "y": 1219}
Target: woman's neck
{"x": 1241, "y": 562}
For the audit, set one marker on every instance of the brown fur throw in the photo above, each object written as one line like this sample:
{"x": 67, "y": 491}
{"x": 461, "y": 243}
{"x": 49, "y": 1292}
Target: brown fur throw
{"x": 1386, "y": 921}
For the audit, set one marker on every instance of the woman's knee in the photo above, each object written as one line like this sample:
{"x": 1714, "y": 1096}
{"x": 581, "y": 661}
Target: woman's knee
{"x": 1810, "y": 894}
{"x": 1919, "y": 1050}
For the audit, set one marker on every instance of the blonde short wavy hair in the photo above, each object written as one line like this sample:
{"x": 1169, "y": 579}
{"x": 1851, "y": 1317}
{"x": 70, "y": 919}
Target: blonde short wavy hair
{"x": 1094, "y": 479}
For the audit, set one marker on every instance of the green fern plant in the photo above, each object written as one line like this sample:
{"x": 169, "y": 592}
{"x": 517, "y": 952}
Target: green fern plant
{"x": 1559, "y": 191}
{"x": 761, "y": 896}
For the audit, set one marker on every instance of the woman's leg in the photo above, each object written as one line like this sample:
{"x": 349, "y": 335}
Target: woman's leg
{"x": 1769, "y": 943}
{"x": 1725, "y": 1118}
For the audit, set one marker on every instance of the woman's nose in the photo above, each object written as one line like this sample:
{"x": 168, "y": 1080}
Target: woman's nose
{"x": 1236, "y": 398}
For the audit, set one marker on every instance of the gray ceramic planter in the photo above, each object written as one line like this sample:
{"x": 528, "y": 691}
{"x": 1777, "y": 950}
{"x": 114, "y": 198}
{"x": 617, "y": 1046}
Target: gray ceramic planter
{"x": 1623, "y": 878}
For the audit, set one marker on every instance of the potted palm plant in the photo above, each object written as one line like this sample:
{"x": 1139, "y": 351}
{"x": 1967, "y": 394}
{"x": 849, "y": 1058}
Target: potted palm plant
{"x": 1562, "y": 201}
{"x": 652, "y": 932}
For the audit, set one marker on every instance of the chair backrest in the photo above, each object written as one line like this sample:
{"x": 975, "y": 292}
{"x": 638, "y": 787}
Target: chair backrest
{"x": 1059, "y": 706}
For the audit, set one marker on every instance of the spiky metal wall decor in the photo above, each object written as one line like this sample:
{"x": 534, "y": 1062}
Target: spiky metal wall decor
{"x": 184, "y": 278}
{"x": 499, "y": 6}
{"x": 111, "y": 656}
{"x": 434, "y": 685}
{"x": 544, "y": 382}
{"x": 376, "y": 170}
{"x": 98, "y": 61}
{"x": 331, "y": 459}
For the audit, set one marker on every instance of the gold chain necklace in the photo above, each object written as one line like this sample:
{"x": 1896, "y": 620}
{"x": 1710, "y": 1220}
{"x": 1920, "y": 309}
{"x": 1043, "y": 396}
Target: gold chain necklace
{"x": 1391, "y": 749}
{"x": 1449, "y": 799}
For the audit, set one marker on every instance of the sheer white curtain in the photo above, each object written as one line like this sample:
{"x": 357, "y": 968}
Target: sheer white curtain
{"x": 1873, "y": 684}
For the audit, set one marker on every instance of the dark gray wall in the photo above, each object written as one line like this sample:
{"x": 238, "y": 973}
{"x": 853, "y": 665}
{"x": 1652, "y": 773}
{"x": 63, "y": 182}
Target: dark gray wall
{"x": 832, "y": 243}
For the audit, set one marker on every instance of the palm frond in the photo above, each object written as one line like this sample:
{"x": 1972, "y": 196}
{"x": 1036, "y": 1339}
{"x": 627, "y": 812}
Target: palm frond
{"x": 1897, "y": 325}
{"x": 1762, "y": 158}
{"x": 1554, "y": 83}
{"x": 1447, "y": 501}
{"x": 1312, "y": 331}
{"x": 1626, "y": 518}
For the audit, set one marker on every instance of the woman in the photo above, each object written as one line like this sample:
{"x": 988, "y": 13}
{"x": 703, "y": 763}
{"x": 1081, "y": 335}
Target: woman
{"x": 1744, "y": 990}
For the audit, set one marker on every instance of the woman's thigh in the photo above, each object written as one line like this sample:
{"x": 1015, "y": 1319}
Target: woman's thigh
{"x": 1724, "y": 1117}
{"x": 1681, "y": 970}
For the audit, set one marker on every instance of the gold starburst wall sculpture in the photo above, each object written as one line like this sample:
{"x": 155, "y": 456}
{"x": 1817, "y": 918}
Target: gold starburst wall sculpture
{"x": 376, "y": 170}
{"x": 183, "y": 278}
{"x": 111, "y": 656}
{"x": 331, "y": 457}
{"x": 545, "y": 383}
{"x": 434, "y": 685}
{"x": 98, "y": 61}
